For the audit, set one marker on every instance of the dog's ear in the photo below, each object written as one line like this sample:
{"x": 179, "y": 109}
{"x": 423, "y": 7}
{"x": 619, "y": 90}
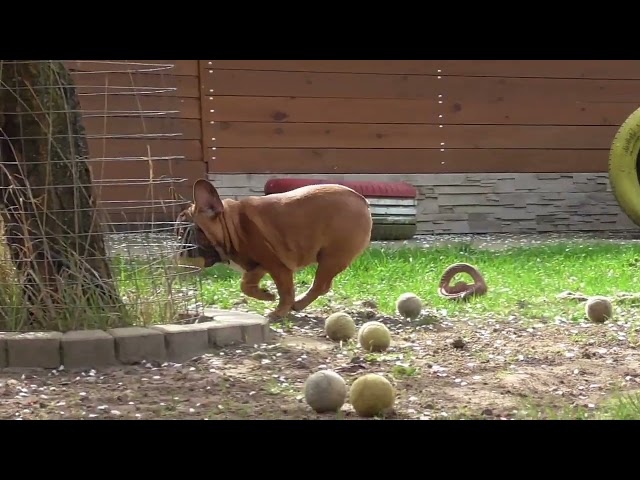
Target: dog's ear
{"x": 206, "y": 198}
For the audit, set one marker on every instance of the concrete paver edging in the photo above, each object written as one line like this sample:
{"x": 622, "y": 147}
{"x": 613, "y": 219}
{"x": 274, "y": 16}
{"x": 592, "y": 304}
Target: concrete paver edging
{"x": 130, "y": 345}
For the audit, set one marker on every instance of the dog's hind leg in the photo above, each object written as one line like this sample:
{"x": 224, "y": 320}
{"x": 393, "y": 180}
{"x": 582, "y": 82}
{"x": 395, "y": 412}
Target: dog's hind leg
{"x": 250, "y": 285}
{"x": 325, "y": 273}
{"x": 283, "y": 279}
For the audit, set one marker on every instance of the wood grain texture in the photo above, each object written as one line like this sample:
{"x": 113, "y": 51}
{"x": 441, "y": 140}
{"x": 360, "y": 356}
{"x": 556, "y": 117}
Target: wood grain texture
{"x": 349, "y": 85}
{"x": 331, "y": 110}
{"x": 549, "y": 91}
{"x": 153, "y": 128}
{"x": 334, "y": 160}
{"x": 535, "y": 111}
{"x": 156, "y": 67}
{"x": 168, "y": 106}
{"x": 390, "y": 135}
{"x": 116, "y": 148}
{"x": 607, "y": 69}
{"x": 425, "y": 111}
{"x": 140, "y": 84}
{"x": 321, "y": 85}
{"x": 112, "y": 175}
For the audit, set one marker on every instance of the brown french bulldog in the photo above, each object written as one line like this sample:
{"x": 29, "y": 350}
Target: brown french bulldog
{"x": 278, "y": 234}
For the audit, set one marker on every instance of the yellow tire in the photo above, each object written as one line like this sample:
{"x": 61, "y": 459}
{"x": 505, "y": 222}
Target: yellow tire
{"x": 624, "y": 156}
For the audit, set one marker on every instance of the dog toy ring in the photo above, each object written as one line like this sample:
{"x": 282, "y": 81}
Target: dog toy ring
{"x": 461, "y": 290}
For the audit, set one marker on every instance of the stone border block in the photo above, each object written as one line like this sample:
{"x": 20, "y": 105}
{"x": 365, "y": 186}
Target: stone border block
{"x": 33, "y": 349}
{"x": 130, "y": 345}
{"x": 232, "y": 328}
{"x": 138, "y": 344}
{"x": 221, "y": 334}
{"x": 183, "y": 342}
{"x": 88, "y": 349}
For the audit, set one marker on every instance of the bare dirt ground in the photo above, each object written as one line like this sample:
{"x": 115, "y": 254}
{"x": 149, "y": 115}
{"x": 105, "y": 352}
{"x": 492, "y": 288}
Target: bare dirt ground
{"x": 490, "y": 369}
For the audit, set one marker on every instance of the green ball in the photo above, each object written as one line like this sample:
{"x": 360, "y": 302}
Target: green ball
{"x": 599, "y": 309}
{"x": 371, "y": 394}
{"x": 374, "y": 336}
{"x": 409, "y": 305}
{"x": 339, "y": 326}
{"x": 325, "y": 391}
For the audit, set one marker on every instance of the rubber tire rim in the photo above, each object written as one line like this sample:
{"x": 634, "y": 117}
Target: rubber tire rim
{"x": 623, "y": 166}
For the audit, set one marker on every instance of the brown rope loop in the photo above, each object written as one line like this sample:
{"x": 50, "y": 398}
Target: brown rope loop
{"x": 461, "y": 290}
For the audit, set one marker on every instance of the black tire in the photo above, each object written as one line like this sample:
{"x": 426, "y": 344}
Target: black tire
{"x": 393, "y": 232}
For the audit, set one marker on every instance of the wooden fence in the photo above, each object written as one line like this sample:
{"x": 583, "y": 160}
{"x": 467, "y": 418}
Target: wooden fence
{"x": 144, "y": 122}
{"x": 414, "y": 116}
{"x": 345, "y": 116}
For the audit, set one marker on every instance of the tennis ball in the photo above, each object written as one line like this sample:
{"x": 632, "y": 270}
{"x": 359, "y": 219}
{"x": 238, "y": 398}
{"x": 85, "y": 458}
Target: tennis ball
{"x": 374, "y": 336}
{"x": 339, "y": 326}
{"x": 371, "y": 394}
{"x": 598, "y": 309}
{"x": 325, "y": 391}
{"x": 409, "y": 305}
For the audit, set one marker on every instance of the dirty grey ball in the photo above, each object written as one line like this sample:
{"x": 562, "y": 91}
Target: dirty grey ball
{"x": 409, "y": 305}
{"x": 598, "y": 309}
{"x": 325, "y": 391}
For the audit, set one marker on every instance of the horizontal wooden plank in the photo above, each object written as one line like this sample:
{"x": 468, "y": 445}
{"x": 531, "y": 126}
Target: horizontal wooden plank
{"x": 119, "y": 148}
{"x": 125, "y": 83}
{"x": 613, "y": 69}
{"x": 424, "y": 111}
{"x": 114, "y": 180}
{"x": 352, "y": 110}
{"x": 136, "y": 105}
{"x": 494, "y": 68}
{"x": 178, "y": 128}
{"x": 545, "y": 90}
{"x": 342, "y": 161}
{"x": 321, "y": 85}
{"x": 421, "y": 67}
{"x": 390, "y": 135}
{"x": 536, "y": 112}
{"x": 348, "y": 85}
{"x": 157, "y": 67}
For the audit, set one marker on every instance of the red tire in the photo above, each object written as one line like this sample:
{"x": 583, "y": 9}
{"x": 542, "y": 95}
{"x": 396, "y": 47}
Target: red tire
{"x": 400, "y": 225}
{"x": 364, "y": 188}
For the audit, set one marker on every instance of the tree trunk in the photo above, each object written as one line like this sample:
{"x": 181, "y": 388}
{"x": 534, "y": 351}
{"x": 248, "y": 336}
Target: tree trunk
{"x": 52, "y": 226}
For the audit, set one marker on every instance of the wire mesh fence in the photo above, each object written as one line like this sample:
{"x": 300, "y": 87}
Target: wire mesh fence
{"x": 89, "y": 197}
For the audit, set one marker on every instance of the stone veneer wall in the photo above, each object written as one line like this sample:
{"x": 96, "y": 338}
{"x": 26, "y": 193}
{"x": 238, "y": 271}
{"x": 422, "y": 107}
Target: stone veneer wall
{"x": 485, "y": 203}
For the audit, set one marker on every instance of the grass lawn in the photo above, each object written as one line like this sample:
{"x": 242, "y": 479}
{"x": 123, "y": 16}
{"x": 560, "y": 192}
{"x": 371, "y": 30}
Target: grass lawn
{"x": 517, "y": 353}
{"x": 522, "y": 281}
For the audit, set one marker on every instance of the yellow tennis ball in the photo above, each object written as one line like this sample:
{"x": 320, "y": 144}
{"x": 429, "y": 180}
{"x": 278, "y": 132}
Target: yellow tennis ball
{"x": 339, "y": 326}
{"x": 374, "y": 336}
{"x": 409, "y": 305}
{"x": 325, "y": 391}
{"x": 371, "y": 394}
{"x": 598, "y": 309}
